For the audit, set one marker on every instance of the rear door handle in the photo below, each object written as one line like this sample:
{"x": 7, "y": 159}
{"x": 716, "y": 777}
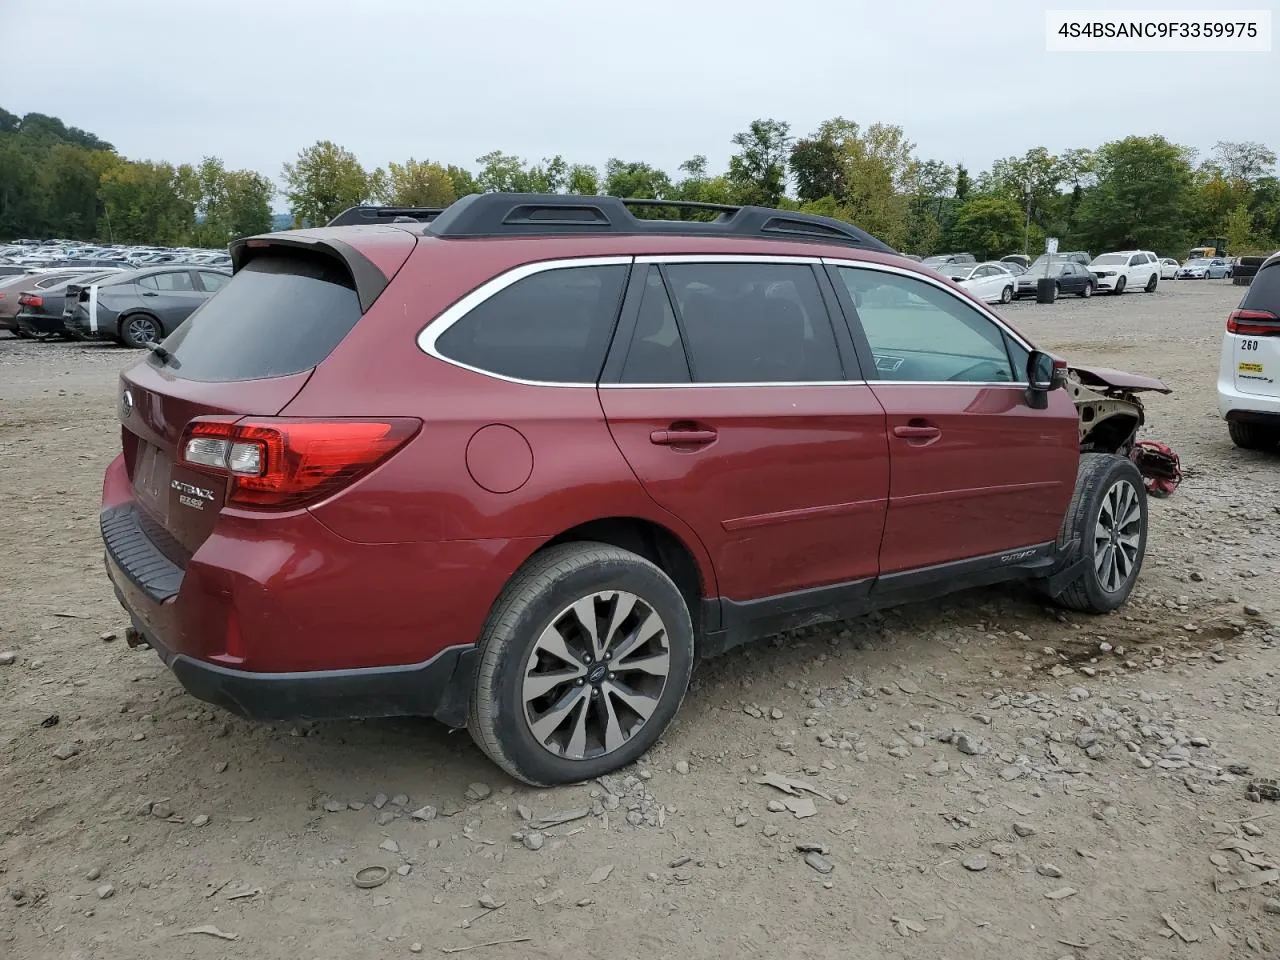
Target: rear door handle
{"x": 917, "y": 432}
{"x": 669, "y": 438}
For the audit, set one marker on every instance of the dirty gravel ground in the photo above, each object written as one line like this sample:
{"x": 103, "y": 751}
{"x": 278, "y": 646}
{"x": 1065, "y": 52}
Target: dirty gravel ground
{"x": 1088, "y": 809}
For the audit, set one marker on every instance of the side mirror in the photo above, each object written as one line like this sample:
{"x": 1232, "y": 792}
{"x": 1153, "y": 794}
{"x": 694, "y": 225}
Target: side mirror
{"x": 1043, "y": 372}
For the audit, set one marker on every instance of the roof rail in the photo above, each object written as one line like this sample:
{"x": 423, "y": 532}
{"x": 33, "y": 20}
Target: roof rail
{"x": 369, "y": 214}
{"x": 540, "y": 214}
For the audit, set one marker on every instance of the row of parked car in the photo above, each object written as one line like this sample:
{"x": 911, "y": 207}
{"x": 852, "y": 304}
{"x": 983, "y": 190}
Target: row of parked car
{"x": 1073, "y": 272}
{"x": 133, "y": 306}
{"x": 73, "y": 253}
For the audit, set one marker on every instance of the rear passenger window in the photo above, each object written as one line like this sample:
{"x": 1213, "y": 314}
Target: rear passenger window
{"x": 180, "y": 281}
{"x": 657, "y": 353}
{"x": 754, "y": 323}
{"x": 213, "y": 282}
{"x": 551, "y": 327}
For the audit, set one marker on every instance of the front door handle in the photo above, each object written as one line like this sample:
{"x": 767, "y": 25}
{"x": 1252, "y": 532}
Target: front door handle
{"x": 917, "y": 432}
{"x": 668, "y": 438}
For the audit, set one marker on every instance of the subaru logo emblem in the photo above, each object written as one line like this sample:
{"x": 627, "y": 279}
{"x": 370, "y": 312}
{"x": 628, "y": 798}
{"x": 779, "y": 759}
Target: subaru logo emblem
{"x": 126, "y": 405}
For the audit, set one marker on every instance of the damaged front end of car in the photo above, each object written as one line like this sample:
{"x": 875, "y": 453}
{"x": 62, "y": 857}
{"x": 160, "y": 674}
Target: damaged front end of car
{"x": 1110, "y": 409}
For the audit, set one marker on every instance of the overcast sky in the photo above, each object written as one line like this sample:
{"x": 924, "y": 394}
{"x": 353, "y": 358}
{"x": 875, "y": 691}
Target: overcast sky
{"x": 254, "y": 81}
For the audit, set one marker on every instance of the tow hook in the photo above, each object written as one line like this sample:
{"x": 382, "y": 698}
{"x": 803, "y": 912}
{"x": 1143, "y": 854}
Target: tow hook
{"x": 134, "y": 638}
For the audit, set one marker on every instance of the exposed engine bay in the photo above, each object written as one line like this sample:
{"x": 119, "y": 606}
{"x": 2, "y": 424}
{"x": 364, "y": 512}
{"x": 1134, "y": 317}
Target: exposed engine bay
{"x": 1110, "y": 407}
{"x": 1111, "y": 413}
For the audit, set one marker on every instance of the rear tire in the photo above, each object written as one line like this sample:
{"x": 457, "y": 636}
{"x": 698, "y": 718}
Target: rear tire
{"x": 537, "y": 664}
{"x": 1108, "y": 516}
{"x": 139, "y": 329}
{"x": 1253, "y": 436}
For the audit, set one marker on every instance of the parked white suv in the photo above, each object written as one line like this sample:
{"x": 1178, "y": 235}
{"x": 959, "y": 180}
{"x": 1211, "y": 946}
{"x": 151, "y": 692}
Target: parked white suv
{"x": 1249, "y": 371}
{"x": 1126, "y": 269}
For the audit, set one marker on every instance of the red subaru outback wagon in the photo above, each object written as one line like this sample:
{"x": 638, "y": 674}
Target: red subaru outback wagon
{"x": 518, "y": 464}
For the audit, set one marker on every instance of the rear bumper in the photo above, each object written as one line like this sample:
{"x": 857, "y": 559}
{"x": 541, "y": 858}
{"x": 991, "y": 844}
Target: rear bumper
{"x": 438, "y": 688}
{"x": 277, "y": 617}
{"x": 38, "y": 323}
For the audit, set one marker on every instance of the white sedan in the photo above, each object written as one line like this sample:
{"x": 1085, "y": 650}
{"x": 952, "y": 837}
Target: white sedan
{"x": 1168, "y": 268}
{"x": 990, "y": 282}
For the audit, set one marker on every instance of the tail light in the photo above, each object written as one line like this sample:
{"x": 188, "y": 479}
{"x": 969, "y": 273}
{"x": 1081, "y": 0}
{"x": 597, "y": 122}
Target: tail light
{"x": 283, "y": 462}
{"x": 31, "y": 300}
{"x": 1253, "y": 323}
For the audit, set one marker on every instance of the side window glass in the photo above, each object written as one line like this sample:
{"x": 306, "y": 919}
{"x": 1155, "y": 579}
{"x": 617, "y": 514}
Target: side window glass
{"x": 179, "y": 282}
{"x": 656, "y": 354}
{"x": 754, "y": 323}
{"x": 923, "y": 334}
{"x": 148, "y": 283}
{"x": 213, "y": 282}
{"x": 550, "y": 327}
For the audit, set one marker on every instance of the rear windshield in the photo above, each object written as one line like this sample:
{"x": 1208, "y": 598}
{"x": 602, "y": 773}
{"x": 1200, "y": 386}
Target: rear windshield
{"x": 1264, "y": 292}
{"x": 283, "y": 313}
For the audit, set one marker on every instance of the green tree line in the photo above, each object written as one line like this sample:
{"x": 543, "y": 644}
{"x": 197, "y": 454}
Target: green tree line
{"x": 59, "y": 181}
{"x": 1140, "y": 191}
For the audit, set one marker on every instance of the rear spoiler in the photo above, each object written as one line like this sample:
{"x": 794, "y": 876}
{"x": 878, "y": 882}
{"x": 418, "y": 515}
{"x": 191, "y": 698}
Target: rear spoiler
{"x": 369, "y": 280}
{"x": 354, "y": 216}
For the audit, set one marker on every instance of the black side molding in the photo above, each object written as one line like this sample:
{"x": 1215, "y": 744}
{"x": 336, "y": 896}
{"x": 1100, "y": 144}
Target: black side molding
{"x": 741, "y": 622}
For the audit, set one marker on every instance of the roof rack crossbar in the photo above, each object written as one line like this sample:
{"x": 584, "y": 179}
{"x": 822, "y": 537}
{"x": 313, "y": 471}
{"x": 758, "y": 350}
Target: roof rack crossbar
{"x": 495, "y": 215}
{"x": 378, "y": 214}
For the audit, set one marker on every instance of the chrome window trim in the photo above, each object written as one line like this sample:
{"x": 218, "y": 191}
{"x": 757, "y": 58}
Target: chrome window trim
{"x": 436, "y": 327}
{"x": 728, "y": 258}
{"x": 721, "y": 386}
{"x": 432, "y": 331}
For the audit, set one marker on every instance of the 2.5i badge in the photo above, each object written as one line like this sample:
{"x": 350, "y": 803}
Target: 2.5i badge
{"x": 189, "y": 495}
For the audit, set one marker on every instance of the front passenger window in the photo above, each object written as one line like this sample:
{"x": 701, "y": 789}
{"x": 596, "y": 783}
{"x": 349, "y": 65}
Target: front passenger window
{"x": 924, "y": 334}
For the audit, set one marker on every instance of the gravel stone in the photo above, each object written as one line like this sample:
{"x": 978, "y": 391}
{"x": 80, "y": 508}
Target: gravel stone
{"x": 975, "y": 863}
{"x": 682, "y": 767}
{"x": 534, "y": 840}
{"x": 1024, "y": 829}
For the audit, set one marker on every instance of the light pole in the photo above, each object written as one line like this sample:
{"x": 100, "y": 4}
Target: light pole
{"x": 1026, "y": 230}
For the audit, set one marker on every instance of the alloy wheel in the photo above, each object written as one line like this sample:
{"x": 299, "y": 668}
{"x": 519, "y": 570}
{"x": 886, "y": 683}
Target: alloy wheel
{"x": 1117, "y": 536}
{"x": 142, "y": 330}
{"x": 595, "y": 675}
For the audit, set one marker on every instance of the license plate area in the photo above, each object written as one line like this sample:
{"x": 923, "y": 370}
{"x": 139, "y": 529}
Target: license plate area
{"x": 151, "y": 480}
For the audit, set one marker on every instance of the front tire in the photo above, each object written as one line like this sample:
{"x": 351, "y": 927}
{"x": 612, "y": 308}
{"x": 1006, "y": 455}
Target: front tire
{"x": 1253, "y": 436}
{"x": 1006, "y": 295}
{"x": 1087, "y": 291}
{"x": 1152, "y": 283}
{"x": 584, "y": 661}
{"x": 1108, "y": 517}
{"x": 1120, "y": 285}
{"x": 139, "y": 329}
